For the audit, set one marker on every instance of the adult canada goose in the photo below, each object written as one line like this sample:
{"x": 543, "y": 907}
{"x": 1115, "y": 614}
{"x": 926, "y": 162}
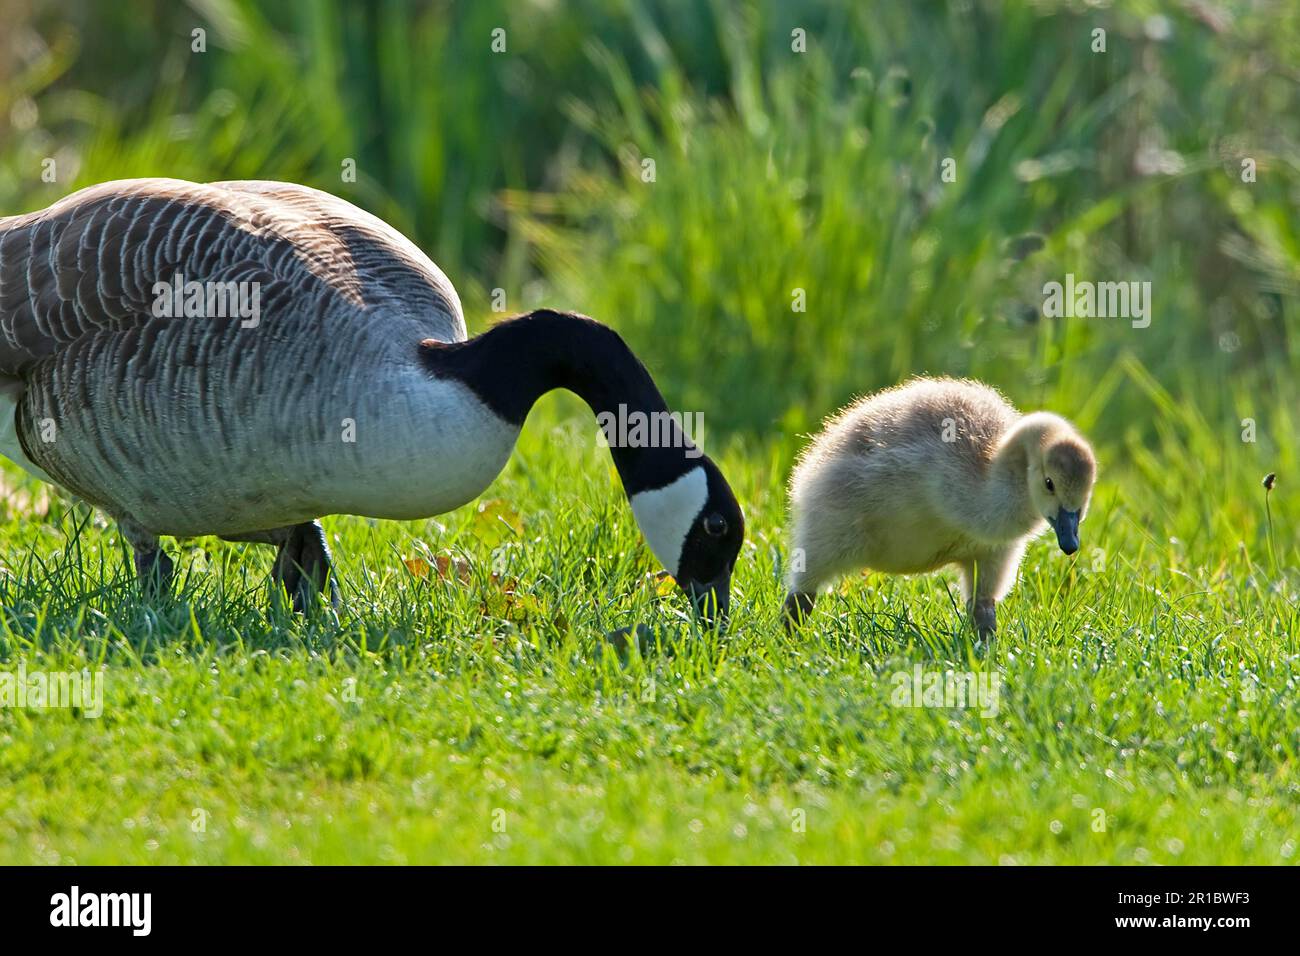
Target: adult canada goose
{"x": 241, "y": 358}
{"x": 935, "y": 472}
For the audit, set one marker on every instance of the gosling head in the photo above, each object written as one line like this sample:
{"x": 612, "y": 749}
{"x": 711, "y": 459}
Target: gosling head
{"x": 1062, "y": 470}
{"x": 694, "y": 526}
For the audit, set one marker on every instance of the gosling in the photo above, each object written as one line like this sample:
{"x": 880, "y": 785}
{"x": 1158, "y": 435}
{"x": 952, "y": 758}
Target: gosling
{"x": 934, "y": 472}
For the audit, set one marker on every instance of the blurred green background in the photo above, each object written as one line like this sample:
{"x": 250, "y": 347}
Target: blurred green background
{"x": 775, "y": 171}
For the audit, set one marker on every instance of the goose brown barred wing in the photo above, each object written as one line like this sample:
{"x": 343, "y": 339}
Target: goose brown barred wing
{"x": 91, "y": 263}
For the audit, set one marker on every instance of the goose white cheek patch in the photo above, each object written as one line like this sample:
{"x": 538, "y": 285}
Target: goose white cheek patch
{"x": 666, "y": 515}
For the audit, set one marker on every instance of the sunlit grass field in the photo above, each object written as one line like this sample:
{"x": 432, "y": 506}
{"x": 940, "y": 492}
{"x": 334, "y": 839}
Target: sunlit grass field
{"x": 471, "y": 709}
{"x": 795, "y": 246}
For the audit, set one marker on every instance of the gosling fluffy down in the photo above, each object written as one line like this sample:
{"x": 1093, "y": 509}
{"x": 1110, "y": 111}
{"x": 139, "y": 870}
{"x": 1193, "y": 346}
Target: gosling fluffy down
{"x": 934, "y": 472}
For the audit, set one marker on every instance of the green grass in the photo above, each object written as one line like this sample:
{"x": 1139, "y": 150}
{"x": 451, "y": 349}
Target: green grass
{"x": 442, "y": 720}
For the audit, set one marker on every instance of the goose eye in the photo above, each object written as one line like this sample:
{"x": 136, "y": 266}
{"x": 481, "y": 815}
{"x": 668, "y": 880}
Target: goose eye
{"x": 715, "y": 525}
{"x": 1051, "y": 488}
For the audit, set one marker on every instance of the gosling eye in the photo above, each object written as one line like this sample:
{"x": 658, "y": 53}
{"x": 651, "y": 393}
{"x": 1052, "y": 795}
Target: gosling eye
{"x": 715, "y": 525}
{"x": 1051, "y": 488}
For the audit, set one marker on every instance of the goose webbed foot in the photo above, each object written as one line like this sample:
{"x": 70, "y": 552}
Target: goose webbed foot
{"x": 303, "y": 566}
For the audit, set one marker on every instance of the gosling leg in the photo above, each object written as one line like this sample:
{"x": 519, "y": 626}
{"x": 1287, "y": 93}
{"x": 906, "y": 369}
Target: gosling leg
{"x": 981, "y": 606}
{"x": 798, "y": 605}
{"x": 985, "y": 581}
{"x": 985, "y": 614}
{"x": 822, "y": 552}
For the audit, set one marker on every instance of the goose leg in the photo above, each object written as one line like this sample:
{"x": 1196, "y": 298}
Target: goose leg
{"x": 302, "y": 565}
{"x": 153, "y": 568}
{"x": 286, "y": 573}
{"x": 313, "y": 566}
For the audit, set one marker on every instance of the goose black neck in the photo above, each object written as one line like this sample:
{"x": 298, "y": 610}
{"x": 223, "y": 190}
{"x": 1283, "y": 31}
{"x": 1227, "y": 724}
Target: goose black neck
{"x": 514, "y": 363}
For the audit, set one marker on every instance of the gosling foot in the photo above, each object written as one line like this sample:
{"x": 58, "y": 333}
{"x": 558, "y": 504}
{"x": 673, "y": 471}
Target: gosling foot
{"x": 796, "y": 609}
{"x": 985, "y": 615}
